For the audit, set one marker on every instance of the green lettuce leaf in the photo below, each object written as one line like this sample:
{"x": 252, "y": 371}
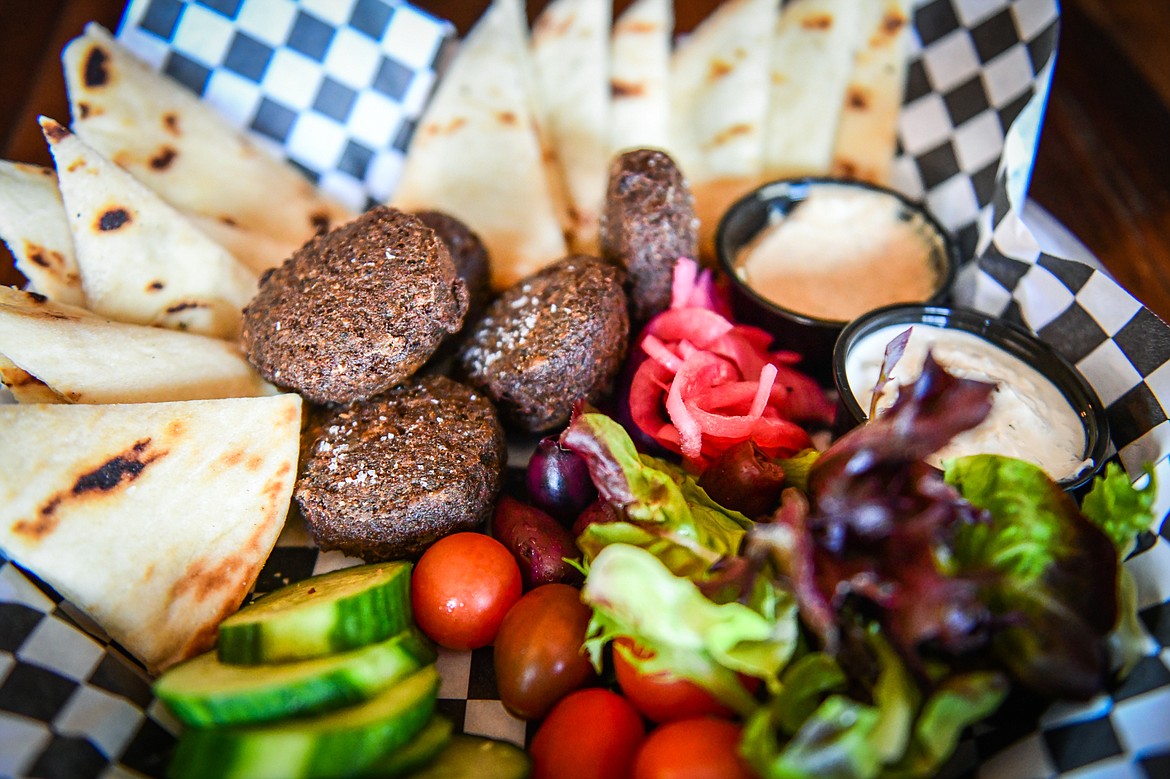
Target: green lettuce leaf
{"x": 811, "y": 729}
{"x": 805, "y": 684}
{"x": 1050, "y": 573}
{"x": 634, "y": 594}
{"x": 834, "y": 742}
{"x": 1120, "y": 509}
{"x": 663, "y": 508}
{"x": 959, "y": 701}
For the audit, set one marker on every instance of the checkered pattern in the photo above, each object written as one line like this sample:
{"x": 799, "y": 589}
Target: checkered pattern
{"x": 72, "y": 704}
{"x": 335, "y": 85}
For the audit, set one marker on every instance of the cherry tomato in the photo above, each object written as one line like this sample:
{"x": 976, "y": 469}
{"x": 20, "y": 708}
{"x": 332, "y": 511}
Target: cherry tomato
{"x": 589, "y": 734}
{"x": 462, "y": 587}
{"x": 697, "y": 748}
{"x": 661, "y": 697}
{"x": 537, "y": 652}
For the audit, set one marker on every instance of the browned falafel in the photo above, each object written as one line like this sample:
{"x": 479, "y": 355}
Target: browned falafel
{"x": 648, "y": 223}
{"x": 551, "y": 339}
{"x": 469, "y": 255}
{"x": 356, "y": 310}
{"x": 390, "y": 475}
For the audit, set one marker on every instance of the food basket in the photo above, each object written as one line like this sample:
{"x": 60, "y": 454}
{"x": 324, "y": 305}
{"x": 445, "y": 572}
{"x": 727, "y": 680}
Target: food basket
{"x": 73, "y": 704}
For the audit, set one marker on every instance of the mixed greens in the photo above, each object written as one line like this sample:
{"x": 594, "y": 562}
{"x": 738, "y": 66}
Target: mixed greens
{"x": 885, "y": 604}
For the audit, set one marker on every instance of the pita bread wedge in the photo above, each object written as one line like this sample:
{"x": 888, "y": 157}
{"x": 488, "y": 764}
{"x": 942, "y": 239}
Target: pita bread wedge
{"x": 640, "y": 77}
{"x": 867, "y": 138}
{"x": 256, "y": 250}
{"x": 33, "y": 224}
{"x": 50, "y": 352}
{"x": 178, "y": 146}
{"x": 154, "y": 519}
{"x": 812, "y": 60}
{"x": 570, "y": 54}
{"x": 476, "y": 153}
{"x": 719, "y": 100}
{"x": 23, "y": 386}
{"x": 140, "y": 260}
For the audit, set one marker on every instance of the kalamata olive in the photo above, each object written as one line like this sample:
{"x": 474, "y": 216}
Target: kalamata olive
{"x": 558, "y": 481}
{"x": 540, "y": 544}
{"x": 597, "y": 511}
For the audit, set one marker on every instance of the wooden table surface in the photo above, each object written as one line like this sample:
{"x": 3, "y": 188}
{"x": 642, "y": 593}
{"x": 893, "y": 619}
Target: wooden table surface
{"x": 1102, "y": 169}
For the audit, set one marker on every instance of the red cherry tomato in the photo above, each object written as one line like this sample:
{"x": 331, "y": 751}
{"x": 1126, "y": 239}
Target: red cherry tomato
{"x": 661, "y": 697}
{"x": 537, "y": 653}
{"x": 462, "y": 587}
{"x": 697, "y": 748}
{"x": 589, "y": 734}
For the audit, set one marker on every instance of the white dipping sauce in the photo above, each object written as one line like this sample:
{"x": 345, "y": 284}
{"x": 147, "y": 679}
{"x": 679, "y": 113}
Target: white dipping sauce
{"x": 1030, "y": 418}
{"x": 843, "y": 251}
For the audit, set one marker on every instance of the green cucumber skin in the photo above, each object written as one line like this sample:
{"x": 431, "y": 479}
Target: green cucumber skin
{"x": 341, "y": 743}
{"x": 477, "y": 757}
{"x": 423, "y": 748}
{"x": 306, "y": 629}
{"x": 351, "y": 678}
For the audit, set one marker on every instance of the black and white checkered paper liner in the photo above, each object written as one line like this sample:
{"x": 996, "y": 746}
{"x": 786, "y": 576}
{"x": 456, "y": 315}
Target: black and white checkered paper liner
{"x": 335, "y": 86}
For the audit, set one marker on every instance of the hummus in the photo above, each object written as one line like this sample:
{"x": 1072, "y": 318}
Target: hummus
{"x": 1030, "y": 418}
{"x": 841, "y": 252}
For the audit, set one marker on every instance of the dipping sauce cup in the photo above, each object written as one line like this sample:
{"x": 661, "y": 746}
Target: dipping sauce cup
{"x": 1043, "y": 409}
{"x": 806, "y": 256}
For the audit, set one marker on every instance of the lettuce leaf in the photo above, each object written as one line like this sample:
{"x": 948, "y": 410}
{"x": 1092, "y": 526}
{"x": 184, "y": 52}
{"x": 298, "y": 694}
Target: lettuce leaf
{"x": 813, "y": 730}
{"x": 1120, "y": 509}
{"x": 661, "y": 508}
{"x": 877, "y": 520}
{"x": 959, "y": 701}
{"x": 1050, "y": 574}
{"x": 634, "y": 594}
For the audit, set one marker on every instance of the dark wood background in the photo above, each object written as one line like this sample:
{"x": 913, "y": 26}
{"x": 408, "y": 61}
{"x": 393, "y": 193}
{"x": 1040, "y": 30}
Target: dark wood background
{"x": 1103, "y": 166}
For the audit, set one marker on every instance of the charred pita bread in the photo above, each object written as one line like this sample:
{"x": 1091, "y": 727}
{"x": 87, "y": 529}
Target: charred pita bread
{"x": 155, "y": 519}
{"x": 570, "y": 55}
{"x": 640, "y": 77}
{"x": 59, "y": 353}
{"x": 178, "y": 146}
{"x": 141, "y": 261}
{"x": 867, "y": 137}
{"x": 719, "y": 100}
{"x": 33, "y": 224}
{"x": 23, "y": 386}
{"x": 476, "y": 153}
{"x": 719, "y": 84}
{"x": 812, "y": 61}
{"x": 256, "y": 250}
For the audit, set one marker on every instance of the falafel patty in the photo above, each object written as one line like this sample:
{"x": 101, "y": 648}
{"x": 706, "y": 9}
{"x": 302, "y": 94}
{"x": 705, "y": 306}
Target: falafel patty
{"x": 469, "y": 255}
{"x": 551, "y": 339}
{"x": 390, "y": 475}
{"x": 356, "y": 310}
{"x": 647, "y": 224}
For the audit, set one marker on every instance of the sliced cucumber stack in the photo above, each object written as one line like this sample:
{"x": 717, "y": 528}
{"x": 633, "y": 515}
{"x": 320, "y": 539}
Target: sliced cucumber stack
{"x": 205, "y": 691}
{"x": 339, "y": 743}
{"x": 321, "y": 615}
{"x": 476, "y": 757}
{"x": 422, "y": 749}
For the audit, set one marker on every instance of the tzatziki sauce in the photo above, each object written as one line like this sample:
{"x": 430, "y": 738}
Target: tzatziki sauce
{"x": 1030, "y": 418}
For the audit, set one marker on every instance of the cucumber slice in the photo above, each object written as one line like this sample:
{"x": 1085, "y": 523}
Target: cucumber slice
{"x": 429, "y": 742}
{"x": 476, "y": 757}
{"x": 204, "y": 691}
{"x": 339, "y": 743}
{"x": 327, "y": 613}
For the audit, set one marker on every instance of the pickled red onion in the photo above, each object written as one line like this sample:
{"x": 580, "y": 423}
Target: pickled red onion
{"x": 711, "y": 383}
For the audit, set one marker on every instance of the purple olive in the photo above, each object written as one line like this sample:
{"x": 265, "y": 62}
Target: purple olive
{"x": 540, "y": 544}
{"x": 558, "y": 481}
